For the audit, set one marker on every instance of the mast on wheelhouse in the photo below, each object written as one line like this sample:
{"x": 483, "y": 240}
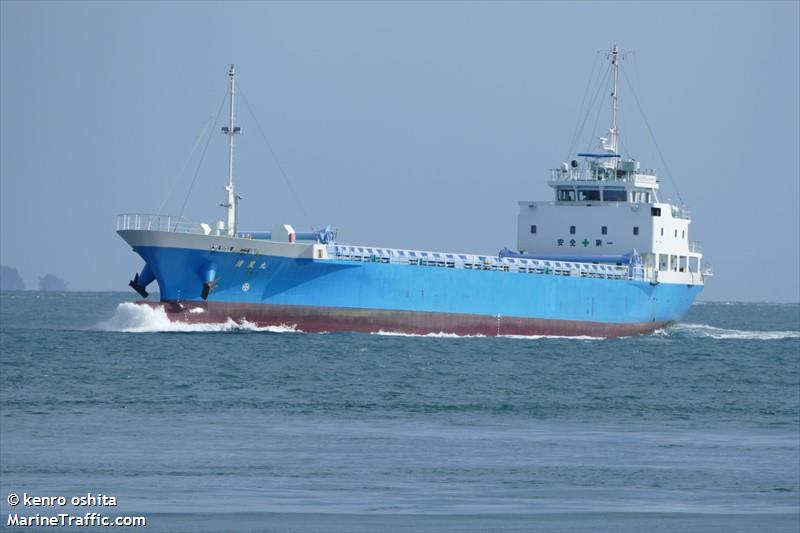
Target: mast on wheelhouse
{"x": 230, "y": 130}
{"x": 612, "y": 144}
{"x": 615, "y": 63}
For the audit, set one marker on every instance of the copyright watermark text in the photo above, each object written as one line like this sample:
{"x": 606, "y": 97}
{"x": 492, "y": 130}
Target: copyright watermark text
{"x": 67, "y": 511}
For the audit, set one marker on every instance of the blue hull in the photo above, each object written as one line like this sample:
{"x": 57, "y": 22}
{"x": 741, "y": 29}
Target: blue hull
{"x": 334, "y": 295}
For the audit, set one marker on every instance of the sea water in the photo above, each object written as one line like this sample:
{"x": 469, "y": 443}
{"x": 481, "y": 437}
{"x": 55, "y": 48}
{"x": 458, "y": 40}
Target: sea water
{"x": 233, "y": 427}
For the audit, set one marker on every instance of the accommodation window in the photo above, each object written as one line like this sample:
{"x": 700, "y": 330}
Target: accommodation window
{"x": 589, "y": 195}
{"x": 533, "y": 228}
{"x": 683, "y": 234}
{"x": 662, "y": 232}
{"x": 615, "y": 195}
{"x": 676, "y": 234}
{"x": 636, "y": 230}
{"x": 572, "y": 230}
{"x": 566, "y": 195}
{"x": 604, "y": 230}
{"x": 655, "y": 211}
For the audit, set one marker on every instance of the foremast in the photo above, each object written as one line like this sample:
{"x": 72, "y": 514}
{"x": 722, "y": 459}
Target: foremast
{"x": 611, "y": 144}
{"x": 230, "y": 130}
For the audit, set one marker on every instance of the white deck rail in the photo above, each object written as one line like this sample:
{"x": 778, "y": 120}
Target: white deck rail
{"x": 157, "y": 223}
{"x": 367, "y": 254}
{"x": 644, "y": 175}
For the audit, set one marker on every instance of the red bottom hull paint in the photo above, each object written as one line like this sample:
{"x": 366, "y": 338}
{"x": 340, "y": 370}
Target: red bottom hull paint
{"x": 332, "y": 319}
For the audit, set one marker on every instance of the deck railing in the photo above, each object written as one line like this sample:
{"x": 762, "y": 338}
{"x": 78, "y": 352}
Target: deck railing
{"x": 645, "y": 175}
{"x": 149, "y": 222}
{"x": 681, "y": 211}
{"x": 365, "y": 254}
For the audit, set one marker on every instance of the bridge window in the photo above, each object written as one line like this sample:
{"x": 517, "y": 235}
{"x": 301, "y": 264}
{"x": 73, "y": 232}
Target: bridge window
{"x": 636, "y": 230}
{"x": 533, "y": 228}
{"x": 615, "y": 195}
{"x": 589, "y": 195}
{"x": 566, "y": 195}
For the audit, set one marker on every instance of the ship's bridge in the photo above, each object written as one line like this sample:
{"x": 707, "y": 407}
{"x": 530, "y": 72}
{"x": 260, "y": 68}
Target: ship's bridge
{"x": 604, "y": 179}
{"x": 605, "y": 208}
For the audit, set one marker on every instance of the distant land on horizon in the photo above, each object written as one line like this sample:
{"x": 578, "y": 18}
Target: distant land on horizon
{"x": 11, "y": 280}
{"x": 49, "y": 282}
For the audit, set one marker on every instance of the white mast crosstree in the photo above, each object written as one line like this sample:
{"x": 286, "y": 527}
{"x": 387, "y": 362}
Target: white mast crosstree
{"x": 230, "y": 130}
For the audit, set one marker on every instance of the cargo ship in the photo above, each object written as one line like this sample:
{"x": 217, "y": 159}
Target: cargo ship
{"x": 604, "y": 257}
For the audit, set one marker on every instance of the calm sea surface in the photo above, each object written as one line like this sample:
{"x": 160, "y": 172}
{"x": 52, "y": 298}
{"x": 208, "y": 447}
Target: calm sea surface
{"x": 235, "y": 428}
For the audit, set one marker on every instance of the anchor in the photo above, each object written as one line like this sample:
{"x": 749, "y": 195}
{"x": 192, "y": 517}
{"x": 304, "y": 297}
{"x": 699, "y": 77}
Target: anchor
{"x": 140, "y": 282}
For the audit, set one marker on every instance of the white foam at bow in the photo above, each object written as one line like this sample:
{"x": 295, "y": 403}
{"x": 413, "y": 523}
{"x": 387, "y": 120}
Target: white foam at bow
{"x": 135, "y": 318}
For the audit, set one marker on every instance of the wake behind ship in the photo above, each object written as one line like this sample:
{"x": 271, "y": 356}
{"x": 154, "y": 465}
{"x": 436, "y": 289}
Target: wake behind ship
{"x": 605, "y": 257}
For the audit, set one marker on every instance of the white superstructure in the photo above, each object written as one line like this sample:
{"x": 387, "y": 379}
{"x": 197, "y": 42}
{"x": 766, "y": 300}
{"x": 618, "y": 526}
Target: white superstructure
{"x": 606, "y": 207}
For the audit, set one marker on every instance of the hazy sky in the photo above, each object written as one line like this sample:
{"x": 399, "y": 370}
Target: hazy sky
{"x": 403, "y": 124}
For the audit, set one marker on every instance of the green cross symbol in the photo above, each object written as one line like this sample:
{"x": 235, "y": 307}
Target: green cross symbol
{"x": 585, "y": 242}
